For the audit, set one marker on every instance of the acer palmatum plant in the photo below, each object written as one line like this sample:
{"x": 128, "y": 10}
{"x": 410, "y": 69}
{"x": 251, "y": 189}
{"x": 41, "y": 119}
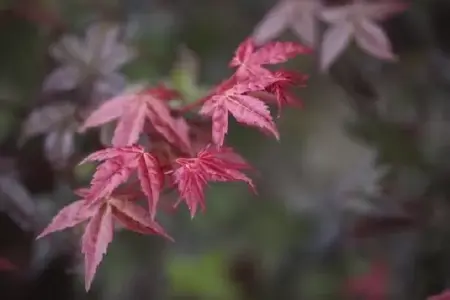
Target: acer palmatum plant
{"x": 180, "y": 156}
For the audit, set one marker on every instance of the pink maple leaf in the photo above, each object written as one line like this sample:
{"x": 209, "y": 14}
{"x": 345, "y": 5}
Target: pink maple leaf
{"x": 357, "y": 21}
{"x": 118, "y": 165}
{"x": 298, "y": 15}
{"x": 99, "y": 230}
{"x": 281, "y": 87}
{"x": 250, "y": 61}
{"x": 210, "y": 165}
{"x": 133, "y": 110}
{"x": 94, "y": 243}
{"x": 245, "y": 108}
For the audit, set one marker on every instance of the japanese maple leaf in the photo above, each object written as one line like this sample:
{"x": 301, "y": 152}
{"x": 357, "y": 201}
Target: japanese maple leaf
{"x": 445, "y": 295}
{"x": 100, "y": 226}
{"x": 297, "y": 15}
{"x": 118, "y": 165}
{"x": 249, "y": 60}
{"x": 281, "y": 87}
{"x": 245, "y": 108}
{"x": 371, "y": 286}
{"x": 202, "y": 138}
{"x": 132, "y": 110}
{"x": 358, "y": 21}
{"x": 211, "y": 165}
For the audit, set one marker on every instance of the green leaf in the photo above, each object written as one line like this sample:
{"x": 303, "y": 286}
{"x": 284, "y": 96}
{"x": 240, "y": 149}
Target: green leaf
{"x": 84, "y": 171}
{"x": 185, "y": 74}
{"x": 202, "y": 276}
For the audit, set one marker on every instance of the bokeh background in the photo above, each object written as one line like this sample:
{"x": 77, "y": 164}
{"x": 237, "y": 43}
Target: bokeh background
{"x": 354, "y": 201}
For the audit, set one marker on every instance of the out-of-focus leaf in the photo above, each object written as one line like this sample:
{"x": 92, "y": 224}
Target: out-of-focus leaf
{"x": 84, "y": 172}
{"x": 185, "y": 70}
{"x": 17, "y": 202}
{"x": 59, "y": 145}
{"x": 58, "y": 122}
{"x": 184, "y": 77}
{"x": 96, "y": 58}
{"x": 299, "y": 16}
{"x": 358, "y": 21}
{"x": 203, "y": 276}
{"x": 47, "y": 118}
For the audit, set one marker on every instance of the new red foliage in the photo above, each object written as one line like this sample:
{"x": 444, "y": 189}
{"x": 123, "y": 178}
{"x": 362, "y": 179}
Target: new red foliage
{"x": 211, "y": 164}
{"x": 99, "y": 229}
{"x": 133, "y": 109}
{"x": 180, "y": 155}
{"x": 249, "y": 61}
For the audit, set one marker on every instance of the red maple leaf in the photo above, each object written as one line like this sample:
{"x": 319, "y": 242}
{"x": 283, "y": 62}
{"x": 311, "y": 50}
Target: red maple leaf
{"x": 99, "y": 229}
{"x": 210, "y": 165}
{"x": 281, "y": 87}
{"x": 279, "y": 92}
{"x": 132, "y": 110}
{"x": 231, "y": 97}
{"x": 202, "y": 139}
{"x": 250, "y": 61}
{"x": 118, "y": 165}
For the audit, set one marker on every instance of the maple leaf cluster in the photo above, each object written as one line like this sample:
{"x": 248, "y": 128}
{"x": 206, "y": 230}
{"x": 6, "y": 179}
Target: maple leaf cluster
{"x": 180, "y": 155}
